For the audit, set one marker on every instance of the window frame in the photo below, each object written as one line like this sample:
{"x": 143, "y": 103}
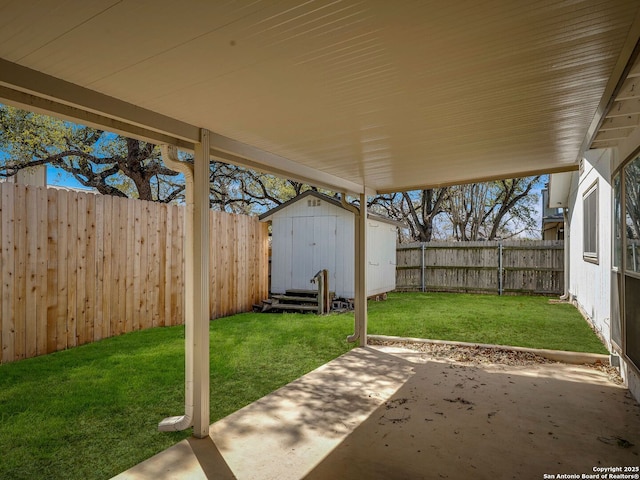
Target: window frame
{"x": 629, "y": 271}
{"x": 590, "y": 227}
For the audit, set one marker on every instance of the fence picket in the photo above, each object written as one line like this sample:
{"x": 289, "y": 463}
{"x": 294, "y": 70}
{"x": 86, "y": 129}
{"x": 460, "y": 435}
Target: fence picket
{"x": 81, "y": 269}
{"x": 31, "y": 281}
{"x": 42, "y": 283}
{"x": 8, "y": 269}
{"x": 90, "y": 299}
{"x": 52, "y": 270}
{"x": 68, "y": 260}
{"x": 529, "y": 267}
{"x": 20, "y": 276}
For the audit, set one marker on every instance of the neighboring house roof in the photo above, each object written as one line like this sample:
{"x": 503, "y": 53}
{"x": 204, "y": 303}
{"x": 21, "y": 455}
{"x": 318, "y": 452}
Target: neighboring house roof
{"x": 265, "y": 217}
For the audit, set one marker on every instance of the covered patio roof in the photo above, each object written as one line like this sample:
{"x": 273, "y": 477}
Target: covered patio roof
{"x": 357, "y": 96}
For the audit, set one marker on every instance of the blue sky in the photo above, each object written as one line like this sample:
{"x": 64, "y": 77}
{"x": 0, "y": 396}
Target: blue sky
{"x": 57, "y": 176}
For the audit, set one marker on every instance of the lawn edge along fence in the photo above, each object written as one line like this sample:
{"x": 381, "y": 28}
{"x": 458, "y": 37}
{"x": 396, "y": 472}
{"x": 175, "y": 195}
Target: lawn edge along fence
{"x": 76, "y": 267}
{"x": 533, "y": 267}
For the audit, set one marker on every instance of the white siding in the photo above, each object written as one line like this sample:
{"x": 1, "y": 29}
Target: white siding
{"x": 312, "y": 234}
{"x": 313, "y": 249}
{"x": 345, "y": 254}
{"x": 281, "y": 266}
{"x": 590, "y": 282}
{"x": 381, "y": 252}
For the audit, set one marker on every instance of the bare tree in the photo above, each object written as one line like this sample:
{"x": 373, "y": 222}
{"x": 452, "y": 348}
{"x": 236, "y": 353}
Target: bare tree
{"x": 490, "y": 210}
{"x": 417, "y": 209}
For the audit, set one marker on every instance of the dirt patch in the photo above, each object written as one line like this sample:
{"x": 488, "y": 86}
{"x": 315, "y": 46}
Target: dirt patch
{"x": 483, "y": 356}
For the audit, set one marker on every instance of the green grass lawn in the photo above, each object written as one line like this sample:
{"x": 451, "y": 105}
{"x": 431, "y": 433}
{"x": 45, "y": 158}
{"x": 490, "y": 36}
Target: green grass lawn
{"x": 92, "y": 411}
{"x": 508, "y": 320}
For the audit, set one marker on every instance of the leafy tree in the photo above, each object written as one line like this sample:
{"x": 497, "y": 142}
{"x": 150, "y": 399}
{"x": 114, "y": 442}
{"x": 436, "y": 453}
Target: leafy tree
{"x": 247, "y": 191}
{"x": 111, "y": 164}
{"x": 120, "y": 166}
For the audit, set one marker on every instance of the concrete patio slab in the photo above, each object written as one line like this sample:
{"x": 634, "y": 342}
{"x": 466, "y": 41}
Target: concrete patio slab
{"x": 394, "y": 413}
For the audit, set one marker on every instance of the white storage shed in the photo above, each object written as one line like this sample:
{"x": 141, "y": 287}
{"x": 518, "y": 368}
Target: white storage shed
{"x": 313, "y": 231}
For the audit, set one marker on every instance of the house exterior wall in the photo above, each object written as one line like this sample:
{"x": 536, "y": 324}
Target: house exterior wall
{"x": 590, "y": 284}
{"x": 311, "y": 234}
{"x": 590, "y": 279}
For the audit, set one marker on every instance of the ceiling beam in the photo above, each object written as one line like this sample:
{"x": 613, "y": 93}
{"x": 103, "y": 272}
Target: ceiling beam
{"x": 33, "y": 103}
{"x": 23, "y": 79}
{"x": 238, "y": 153}
{"x": 32, "y": 90}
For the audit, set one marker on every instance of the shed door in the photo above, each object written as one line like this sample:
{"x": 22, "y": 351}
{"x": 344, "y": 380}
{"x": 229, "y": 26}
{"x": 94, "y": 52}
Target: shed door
{"x": 314, "y": 248}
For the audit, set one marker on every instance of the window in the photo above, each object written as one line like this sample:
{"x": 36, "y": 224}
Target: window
{"x": 617, "y": 222}
{"x": 590, "y": 238}
{"x": 632, "y": 220}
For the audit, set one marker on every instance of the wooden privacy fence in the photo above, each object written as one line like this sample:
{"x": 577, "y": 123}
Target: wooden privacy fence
{"x": 78, "y": 267}
{"x": 524, "y": 267}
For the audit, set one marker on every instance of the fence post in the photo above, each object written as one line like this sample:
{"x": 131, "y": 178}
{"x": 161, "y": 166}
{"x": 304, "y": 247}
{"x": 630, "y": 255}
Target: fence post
{"x": 500, "y": 286}
{"x": 422, "y": 270}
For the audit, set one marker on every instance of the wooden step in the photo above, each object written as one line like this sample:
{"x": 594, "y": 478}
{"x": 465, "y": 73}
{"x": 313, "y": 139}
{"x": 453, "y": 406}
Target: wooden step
{"x": 291, "y": 306}
{"x": 301, "y": 292}
{"x": 290, "y": 298}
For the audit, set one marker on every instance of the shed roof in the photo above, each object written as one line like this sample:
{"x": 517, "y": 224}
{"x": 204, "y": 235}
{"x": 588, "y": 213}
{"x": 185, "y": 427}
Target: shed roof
{"x": 267, "y": 216}
{"x": 372, "y": 96}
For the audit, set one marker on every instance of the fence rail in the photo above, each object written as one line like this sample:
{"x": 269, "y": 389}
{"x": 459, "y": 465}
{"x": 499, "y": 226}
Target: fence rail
{"x": 77, "y": 267}
{"x": 529, "y": 267}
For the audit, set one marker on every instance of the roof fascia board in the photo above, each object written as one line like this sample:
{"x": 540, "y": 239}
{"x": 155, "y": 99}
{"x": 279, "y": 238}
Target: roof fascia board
{"x": 619, "y": 74}
{"x": 518, "y": 174}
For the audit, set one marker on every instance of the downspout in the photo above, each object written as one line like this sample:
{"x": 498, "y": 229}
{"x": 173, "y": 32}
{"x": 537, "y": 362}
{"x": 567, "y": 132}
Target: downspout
{"x": 182, "y": 422}
{"x": 567, "y": 243}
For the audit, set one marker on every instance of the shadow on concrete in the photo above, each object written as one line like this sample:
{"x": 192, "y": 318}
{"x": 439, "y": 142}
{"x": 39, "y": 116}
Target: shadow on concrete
{"x": 491, "y": 421}
{"x": 294, "y": 427}
{"x": 211, "y": 461}
{"x": 390, "y": 413}
{"x": 193, "y": 458}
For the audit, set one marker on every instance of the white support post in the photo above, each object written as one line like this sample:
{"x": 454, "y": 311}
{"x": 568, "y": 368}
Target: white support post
{"x": 200, "y": 298}
{"x": 196, "y": 286}
{"x": 361, "y": 273}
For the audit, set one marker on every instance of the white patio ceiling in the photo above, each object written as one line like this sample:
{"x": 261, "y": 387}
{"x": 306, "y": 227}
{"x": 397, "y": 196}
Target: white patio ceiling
{"x": 350, "y": 94}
